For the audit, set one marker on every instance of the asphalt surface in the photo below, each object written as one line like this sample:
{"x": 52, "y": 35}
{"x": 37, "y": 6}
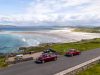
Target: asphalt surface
{"x": 50, "y": 68}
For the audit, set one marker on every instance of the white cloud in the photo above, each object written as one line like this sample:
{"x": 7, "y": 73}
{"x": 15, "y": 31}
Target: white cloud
{"x": 58, "y": 11}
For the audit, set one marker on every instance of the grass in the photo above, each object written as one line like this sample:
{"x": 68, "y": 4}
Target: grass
{"x": 95, "y": 70}
{"x": 90, "y": 30}
{"x": 81, "y": 45}
{"x": 2, "y": 62}
{"x": 63, "y": 47}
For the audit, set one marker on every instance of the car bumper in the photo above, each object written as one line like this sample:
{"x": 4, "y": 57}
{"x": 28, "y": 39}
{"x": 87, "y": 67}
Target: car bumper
{"x": 67, "y": 54}
{"x": 38, "y": 61}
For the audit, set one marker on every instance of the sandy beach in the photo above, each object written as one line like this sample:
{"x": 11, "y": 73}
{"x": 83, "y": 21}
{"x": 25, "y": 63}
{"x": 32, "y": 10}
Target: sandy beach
{"x": 12, "y": 40}
{"x": 65, "y": 34}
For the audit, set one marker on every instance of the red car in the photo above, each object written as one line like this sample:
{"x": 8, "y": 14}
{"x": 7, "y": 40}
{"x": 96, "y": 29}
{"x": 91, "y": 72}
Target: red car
{"x": 72, "y": 52}
{"x": 46, "y": 58}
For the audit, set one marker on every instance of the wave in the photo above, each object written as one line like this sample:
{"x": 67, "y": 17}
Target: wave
{"x": 31, "y": 42}
{"x": 24, "y": 40}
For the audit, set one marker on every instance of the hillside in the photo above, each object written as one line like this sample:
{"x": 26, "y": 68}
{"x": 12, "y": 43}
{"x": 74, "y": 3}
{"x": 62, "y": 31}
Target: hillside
{"x": 90, "y": 30}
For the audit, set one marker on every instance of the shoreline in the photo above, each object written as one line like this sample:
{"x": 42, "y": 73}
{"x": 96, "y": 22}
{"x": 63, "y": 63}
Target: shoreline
{"x": 65, "y": 35}
{"x": 42, "y": 47}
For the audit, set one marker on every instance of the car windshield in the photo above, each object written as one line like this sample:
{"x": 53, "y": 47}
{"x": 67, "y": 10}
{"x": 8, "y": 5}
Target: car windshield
{"x": 72, "y": 50}
{"x": 44, "y": 55}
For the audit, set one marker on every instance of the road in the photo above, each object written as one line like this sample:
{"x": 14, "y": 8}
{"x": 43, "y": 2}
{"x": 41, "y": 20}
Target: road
{"x": 49, "y": 68}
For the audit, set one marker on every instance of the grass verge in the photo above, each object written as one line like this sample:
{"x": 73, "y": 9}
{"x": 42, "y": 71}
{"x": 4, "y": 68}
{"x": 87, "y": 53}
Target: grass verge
{"x": 61, "y": 48}
{"x": 90, "y": 30}
{"x": 2, "y": 62}
{"x": 95, "y": 70}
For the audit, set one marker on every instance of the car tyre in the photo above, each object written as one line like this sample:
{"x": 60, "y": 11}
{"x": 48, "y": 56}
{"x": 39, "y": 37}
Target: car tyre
{"x": 55, "y": 59}
{"x": 43, "y": 61}
{"x": 72, "y": 55}
{"x": 79, "y": 53}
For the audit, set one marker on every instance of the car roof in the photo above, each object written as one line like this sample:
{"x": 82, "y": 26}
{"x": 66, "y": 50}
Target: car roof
{"x": 72, "y": 50}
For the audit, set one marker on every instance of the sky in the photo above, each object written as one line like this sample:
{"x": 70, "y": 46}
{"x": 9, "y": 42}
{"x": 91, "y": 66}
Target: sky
{"x": 50, "y": 12}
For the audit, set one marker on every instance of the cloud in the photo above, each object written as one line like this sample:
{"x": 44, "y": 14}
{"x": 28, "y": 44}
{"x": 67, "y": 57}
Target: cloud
{"x": 54, "y": 9}
{"x": 64, "y": 11}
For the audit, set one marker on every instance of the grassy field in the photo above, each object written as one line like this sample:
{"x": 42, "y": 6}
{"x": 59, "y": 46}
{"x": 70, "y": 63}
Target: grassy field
{"x": 63, "y": 47}
{"x": 2, "y": 62}
{"x": 81, "y": 45}
{"x": 90, "y": 30}
{"x": 95, "y": 70}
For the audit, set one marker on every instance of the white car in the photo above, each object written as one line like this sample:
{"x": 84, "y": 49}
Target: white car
{"x": 18, "y": 57}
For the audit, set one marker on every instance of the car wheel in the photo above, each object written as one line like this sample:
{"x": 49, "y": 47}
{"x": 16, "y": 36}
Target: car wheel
{"x": 43, "y": 61}
{"x": 55, "y": 59}
{"x": 71, "y": 55}
{"x": 79, "y": 53}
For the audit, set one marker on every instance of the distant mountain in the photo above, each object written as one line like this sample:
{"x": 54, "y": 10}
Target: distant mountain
{"x": 28, "y": 28}
{"x": 47, "y": 26}
{"x": 6, "y": 26}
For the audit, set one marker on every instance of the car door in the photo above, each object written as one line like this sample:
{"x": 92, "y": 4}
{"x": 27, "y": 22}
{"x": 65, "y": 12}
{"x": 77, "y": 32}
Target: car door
{"x": 47, "y": 58}
{"x": 74, "y": 53}
{"x": 51, "y": 58}
{"x": 77, "y": 52}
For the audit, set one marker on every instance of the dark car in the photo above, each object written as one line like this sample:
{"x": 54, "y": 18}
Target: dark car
{"x": 72, "y": 52}
{"x": 49, "y": 51}
{"x": 46, "y": 58}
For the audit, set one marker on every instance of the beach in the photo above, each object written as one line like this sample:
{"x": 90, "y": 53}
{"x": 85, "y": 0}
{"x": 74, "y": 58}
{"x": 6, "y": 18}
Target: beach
{"x": 11, "y": 41}
{"x": 64, "y": 34}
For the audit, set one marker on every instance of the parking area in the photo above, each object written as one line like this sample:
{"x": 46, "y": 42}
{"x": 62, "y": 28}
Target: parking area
{"x": 26, "y": 56}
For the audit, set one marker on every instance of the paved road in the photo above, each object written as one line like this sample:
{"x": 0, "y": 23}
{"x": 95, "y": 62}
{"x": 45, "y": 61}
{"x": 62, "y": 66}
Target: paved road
{"x": 49, "y": 68}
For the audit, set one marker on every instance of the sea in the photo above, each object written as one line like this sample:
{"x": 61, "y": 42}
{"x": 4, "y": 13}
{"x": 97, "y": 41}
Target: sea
{"x": 10, "y": 43}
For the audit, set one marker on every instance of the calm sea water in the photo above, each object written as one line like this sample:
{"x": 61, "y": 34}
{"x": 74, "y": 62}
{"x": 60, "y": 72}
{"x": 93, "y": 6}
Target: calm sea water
{"x": 10, "y": 43}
